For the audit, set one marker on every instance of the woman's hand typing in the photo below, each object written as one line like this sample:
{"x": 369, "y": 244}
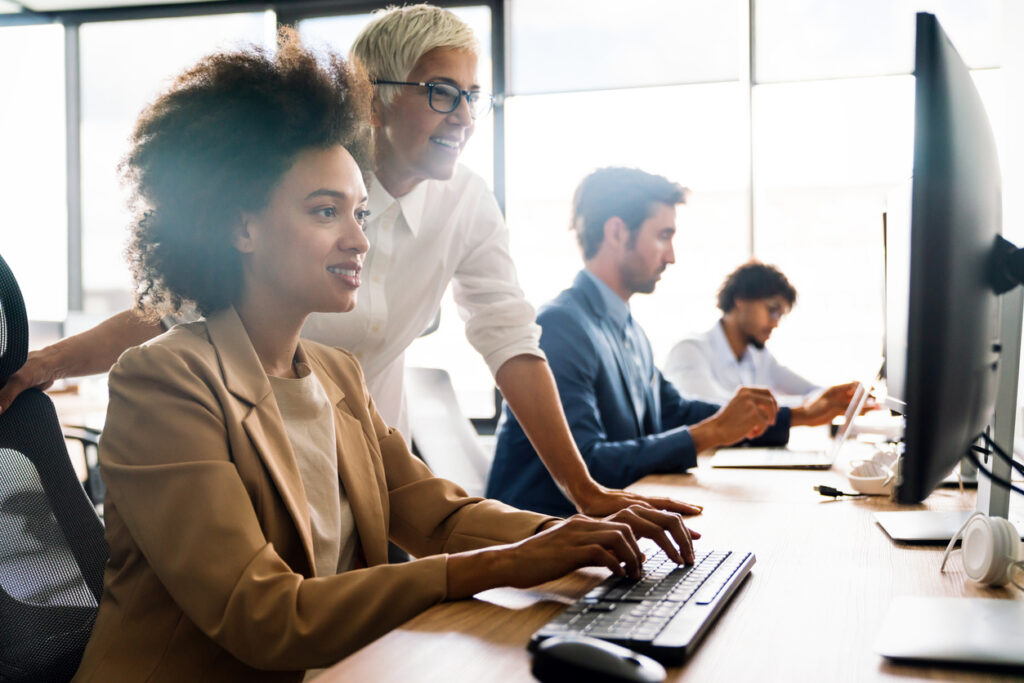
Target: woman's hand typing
{"x": 565, "y": 546}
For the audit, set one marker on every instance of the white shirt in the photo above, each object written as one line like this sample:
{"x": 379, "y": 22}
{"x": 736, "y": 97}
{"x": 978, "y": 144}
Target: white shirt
{"x": 440, "y": 232}
{"x": 704, "y": 367}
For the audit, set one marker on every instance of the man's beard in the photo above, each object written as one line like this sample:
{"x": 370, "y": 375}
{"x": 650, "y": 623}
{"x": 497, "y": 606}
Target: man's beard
{"x": 644, "y": 287}
{"x": 637, "y": 286}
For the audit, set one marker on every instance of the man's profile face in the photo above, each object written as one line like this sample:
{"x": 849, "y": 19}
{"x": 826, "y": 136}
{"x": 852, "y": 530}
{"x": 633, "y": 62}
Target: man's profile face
{"x": 758, "y": 318}
{"x": 650, "y": 251}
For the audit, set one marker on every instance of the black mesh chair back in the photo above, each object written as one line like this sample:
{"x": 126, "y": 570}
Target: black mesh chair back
{"x": 13, "y": 324}
{"x": 52, "y": 549}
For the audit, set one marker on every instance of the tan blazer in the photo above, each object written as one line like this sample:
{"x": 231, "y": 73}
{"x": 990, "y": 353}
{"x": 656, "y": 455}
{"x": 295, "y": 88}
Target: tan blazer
{"x": 211, "y": 572}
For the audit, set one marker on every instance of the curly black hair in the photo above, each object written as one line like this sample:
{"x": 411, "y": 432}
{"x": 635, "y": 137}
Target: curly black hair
{"x": 214, "y": 146}
{"x": 754, "y": 280}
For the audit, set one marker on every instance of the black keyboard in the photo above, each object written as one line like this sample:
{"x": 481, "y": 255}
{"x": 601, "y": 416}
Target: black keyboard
{"x": 665, "y": 613}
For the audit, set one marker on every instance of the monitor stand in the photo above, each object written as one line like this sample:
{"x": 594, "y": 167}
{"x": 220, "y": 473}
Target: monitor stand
{"x": 940, "y": 526}
{"x": 922, "y": 526}
{"x": 953, "y": 630}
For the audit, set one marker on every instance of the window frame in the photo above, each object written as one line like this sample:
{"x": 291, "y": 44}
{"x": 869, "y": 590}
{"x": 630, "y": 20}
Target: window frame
{"x": 289, "y": 14}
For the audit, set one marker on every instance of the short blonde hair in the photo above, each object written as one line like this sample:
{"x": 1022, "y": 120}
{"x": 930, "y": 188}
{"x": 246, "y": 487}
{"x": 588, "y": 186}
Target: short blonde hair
{"x": 396, "y": 38}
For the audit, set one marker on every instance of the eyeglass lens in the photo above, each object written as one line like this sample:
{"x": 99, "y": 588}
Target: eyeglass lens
{"x": 444, "y": 99}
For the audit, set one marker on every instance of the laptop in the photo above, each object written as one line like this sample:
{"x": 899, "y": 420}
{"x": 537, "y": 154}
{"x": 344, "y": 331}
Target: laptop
{"x": 788, "y": 458}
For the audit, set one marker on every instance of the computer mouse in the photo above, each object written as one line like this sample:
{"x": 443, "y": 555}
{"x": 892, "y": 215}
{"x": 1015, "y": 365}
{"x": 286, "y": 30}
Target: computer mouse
{"x": 562, "y": 659}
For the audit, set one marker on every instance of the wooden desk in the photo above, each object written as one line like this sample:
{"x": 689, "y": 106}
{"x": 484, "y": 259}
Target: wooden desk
{"x": 824, "y": 577}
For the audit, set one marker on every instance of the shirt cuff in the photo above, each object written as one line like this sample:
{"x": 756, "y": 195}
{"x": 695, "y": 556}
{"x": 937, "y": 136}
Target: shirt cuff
{"x": 675, "y": 452}
{"x": 496, "y": 359}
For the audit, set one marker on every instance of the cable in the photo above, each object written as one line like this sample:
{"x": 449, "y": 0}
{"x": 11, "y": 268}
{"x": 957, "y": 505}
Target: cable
{"x": 988, "y": 475}
{"x": 835, "y": 493}
{"x": 1002, "y": 454}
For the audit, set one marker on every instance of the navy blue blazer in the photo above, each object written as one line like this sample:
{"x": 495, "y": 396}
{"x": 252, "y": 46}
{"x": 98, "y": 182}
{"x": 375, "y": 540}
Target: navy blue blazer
{"x": 589, "y": 363}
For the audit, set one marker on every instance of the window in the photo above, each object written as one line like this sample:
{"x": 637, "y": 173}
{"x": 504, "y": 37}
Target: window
{"x": 575, "y": 45}
{"x": 829, "y": 147}
{"x": 826, "y": 156}
{"x": 33, "y": 187}
{"x": 810, "y": 39}
{"x": 790, "y": 150}
{"x": 124, "y": 65}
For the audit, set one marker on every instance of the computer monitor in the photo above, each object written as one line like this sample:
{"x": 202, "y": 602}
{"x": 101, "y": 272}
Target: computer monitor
{"x": 954, "y": 336}
{"x": 962, "y": 338}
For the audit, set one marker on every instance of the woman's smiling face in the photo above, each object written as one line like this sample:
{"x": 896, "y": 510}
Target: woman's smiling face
{"x": 414, "y": 142}
{"x": 305, "y": 248}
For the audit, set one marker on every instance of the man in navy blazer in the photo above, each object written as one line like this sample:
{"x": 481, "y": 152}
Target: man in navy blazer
{"x": 627, "y": 420}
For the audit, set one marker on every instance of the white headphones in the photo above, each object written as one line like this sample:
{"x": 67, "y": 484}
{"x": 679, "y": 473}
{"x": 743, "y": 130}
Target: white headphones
{"x": 992, "y": 550}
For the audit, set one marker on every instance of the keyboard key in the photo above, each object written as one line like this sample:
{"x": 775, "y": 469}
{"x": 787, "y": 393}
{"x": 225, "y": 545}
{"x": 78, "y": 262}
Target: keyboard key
{"x": 711, "y": 589}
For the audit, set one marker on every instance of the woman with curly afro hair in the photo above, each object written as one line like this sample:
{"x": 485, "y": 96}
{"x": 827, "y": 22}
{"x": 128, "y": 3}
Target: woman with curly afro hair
{"x": 252, "y": 486}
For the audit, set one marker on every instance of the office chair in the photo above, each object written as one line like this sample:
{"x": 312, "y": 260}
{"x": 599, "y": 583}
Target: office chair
{"x": 89, "y": 439}
{"x": 442, "y": 435}
{"x": 52, "y": 549}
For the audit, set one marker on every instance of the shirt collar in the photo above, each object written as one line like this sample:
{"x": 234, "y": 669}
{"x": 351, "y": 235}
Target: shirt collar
{"x": 616, "y": 308}
{"x": 722, "y": 347}
{"x": 410, "y": 204}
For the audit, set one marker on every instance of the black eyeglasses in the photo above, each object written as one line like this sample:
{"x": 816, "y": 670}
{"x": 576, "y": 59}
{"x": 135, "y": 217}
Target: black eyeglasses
{"x": 775, "y": 309}
{"x": 444, "y": 98}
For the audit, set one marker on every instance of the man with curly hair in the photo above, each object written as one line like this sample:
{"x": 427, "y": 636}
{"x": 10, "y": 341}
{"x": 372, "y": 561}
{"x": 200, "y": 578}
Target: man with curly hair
{"x": 712, "y": 366}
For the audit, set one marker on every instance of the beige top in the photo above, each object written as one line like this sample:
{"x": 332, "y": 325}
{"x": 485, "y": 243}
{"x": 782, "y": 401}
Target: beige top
{"x": 309, "y": 424}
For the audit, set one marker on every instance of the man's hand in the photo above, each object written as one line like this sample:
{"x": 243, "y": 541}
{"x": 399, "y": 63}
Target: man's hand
{"x": 39, "y": 371}
{"x": 605, "y": 501}
{"x": 86, "y": 353}
{"x": 822, "y": 409}
{"x": 746, "y": 416}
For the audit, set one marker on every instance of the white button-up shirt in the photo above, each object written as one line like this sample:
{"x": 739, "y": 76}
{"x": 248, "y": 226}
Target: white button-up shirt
{"x": 704, "y": 367}
{"x": 440, "y": 232}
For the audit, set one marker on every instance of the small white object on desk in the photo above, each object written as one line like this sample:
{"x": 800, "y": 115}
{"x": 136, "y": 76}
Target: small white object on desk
{"x": 874, "y": 476}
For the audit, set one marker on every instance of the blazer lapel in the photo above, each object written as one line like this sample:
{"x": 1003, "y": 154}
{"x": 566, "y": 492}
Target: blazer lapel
{"x": 244, "y": 377}
{"x": 620, "y": 361}
{"x": 598, "y": 312}
{"x": 652, "y": 388}
{"x": 360, "y": 473}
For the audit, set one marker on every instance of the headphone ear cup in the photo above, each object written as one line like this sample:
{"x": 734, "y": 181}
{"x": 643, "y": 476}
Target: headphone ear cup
{"x": 978, "y": 549}
{"x": 990, "y": 548}
{"x": 1007, "y": 550}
